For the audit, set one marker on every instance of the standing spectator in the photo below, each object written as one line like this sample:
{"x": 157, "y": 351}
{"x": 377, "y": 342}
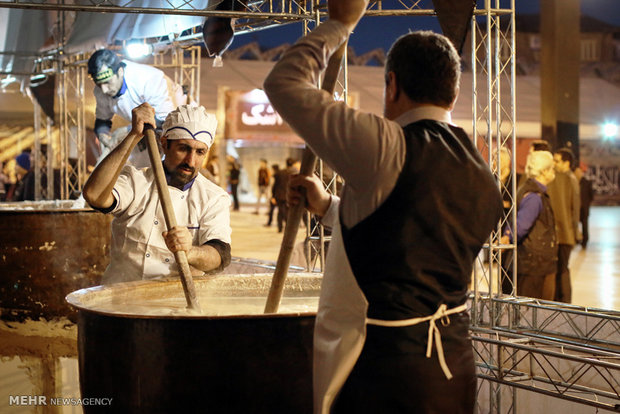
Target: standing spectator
{"x": 586, "y": 194}
{"x": 535, "y": 145}
{"x": 264, "y": 178}
{"x": 536, "y": 239}
{"x": 234, "y": 171}
{"x": 279, "y": 191}
{"x": 564, "y": 195}
{"x": 24, "y": 187}
{"x": 275, "y": 168}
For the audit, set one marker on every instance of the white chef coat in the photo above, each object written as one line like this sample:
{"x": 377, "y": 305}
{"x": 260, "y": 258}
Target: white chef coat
{"x": 138, "y": 249}
{"x": 144, "y": 84}
{"x": 358, "y": 146}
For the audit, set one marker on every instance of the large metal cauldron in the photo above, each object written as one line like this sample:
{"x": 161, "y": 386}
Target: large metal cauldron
{"x": 241, "y": 363}
{"x": 47, "y": 250}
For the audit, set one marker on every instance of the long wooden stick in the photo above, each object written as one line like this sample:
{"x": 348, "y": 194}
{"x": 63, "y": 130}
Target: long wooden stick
{"x": 295, "y": 213}
{"x": 171, "y": 221}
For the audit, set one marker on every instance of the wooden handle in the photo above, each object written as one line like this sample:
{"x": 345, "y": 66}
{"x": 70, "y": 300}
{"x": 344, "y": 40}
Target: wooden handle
{"x": 295, "y": 213}
{"x": 171, "y": 221}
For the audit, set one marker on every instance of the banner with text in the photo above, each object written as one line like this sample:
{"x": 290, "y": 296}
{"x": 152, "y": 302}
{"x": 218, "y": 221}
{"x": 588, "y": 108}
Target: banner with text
{"x": 250, "y": 116}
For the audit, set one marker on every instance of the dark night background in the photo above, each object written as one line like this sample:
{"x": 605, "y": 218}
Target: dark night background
{"x": 380, "y": 32}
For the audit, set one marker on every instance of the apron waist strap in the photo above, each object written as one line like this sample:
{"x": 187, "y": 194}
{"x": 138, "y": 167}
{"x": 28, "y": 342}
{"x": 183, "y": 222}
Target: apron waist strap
{"x": 442, "y": 313}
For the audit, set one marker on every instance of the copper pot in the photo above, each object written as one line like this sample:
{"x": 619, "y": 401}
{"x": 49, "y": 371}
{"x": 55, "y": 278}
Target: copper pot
{"x": 180, "y": 362}
{"x": 48, "y": 250}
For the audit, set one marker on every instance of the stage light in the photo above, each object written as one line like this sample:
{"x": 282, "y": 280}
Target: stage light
{"x": 610, "y": 130}
{"x": 136, "y": 50}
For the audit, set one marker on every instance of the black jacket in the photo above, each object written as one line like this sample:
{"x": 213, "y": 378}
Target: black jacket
{"x": 537, "y": 253}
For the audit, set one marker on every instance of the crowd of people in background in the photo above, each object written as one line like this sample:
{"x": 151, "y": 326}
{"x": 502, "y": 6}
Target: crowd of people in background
{"x": 271, "y": 185}
{"x": 553, "y": 198}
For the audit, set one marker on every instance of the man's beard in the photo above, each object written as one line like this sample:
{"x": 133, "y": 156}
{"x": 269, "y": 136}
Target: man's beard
{"x": 179, "y": 178}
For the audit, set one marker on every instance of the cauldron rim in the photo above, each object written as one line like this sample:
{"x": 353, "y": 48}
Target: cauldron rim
{"x": 45, "y": 207}
{"x": 7, "y": 212}
{"x": 74, "y": 299}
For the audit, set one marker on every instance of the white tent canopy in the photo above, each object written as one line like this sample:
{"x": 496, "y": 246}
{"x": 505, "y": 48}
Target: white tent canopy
{"x": 23, "y": 32}
{"x": 31, "y": 31}
{"x": 95, "y": 30}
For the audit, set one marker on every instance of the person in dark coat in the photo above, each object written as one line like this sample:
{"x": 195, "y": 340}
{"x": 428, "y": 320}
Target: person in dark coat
{"x": 279, "y": 191}
{"x": 275, "y": 168}
{"x": 264, "y": 178}
{"x": 564, "y": 196}
{"x": 537, "y": 245}
{"x": 24, "y": 188}
{"x": 586, "y": 194}
{"x": 234, "y": 171}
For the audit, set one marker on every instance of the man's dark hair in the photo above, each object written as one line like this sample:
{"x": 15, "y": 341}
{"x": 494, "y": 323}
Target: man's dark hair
{"x": 567, "y": 155}
{"x": 103, "y": 57}
{"x": 290, "y": 162}
{"x": 540, "y": 145}
{"x": 427, "y": 67}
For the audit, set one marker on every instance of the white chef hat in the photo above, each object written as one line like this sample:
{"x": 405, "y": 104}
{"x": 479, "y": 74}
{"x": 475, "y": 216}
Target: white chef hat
{"x": 190, "y": 122}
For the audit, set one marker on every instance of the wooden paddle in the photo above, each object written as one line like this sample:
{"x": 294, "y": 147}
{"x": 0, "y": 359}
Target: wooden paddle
{"x": 171, "y": 221}
{"x": 293, "y": 219}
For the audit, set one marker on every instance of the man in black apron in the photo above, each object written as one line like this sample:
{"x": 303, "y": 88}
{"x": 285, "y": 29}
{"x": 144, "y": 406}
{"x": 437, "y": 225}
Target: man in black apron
{"x": 419, "y": 201}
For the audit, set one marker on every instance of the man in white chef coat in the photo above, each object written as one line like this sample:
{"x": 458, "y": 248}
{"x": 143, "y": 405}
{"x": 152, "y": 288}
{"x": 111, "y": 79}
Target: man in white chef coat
{"x": 141, "y": 247}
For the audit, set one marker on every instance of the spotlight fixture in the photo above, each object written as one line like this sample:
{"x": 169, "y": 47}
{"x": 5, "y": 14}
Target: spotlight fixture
{"x": 137, "y": 50}
{"x": 610, "y": 130}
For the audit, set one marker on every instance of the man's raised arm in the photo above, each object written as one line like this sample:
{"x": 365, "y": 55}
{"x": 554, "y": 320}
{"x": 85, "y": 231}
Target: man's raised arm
{"x": 98, "y": 189}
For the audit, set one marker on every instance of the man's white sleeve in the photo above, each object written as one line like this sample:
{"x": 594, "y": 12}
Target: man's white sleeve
{"x": 215, "y": 223}
{"x": 329, "y": 219}
{"x": 158, "y": 95}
